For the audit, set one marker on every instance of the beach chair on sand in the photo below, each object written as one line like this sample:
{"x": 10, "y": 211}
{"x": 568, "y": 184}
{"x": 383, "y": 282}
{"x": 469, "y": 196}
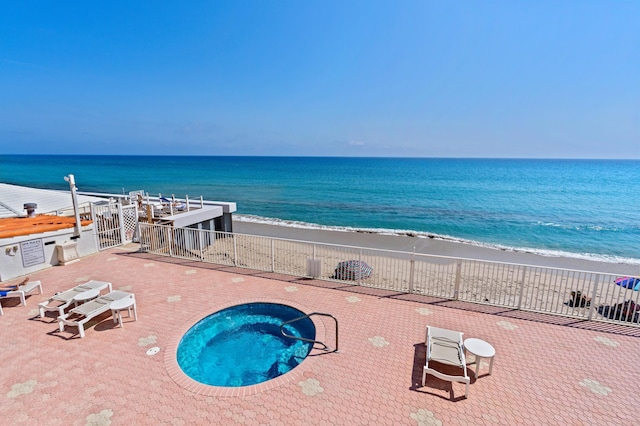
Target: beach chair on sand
{"x": 21, "y": 290}
{"x": 80, "y": 315}
{"x": 445, "y": 347}
{"x": 64, "y": 299}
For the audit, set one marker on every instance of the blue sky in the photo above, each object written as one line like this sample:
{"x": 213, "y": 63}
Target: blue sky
{"x": 543, "y": 79}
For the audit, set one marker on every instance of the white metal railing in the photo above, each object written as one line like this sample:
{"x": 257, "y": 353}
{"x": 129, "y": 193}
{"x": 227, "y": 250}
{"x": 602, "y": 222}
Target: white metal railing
{"x": 115, "y": 224}
{"x": 579, "y": 294}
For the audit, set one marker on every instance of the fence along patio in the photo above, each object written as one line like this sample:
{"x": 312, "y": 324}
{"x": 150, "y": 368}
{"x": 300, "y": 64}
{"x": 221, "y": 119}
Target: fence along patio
{"x": 578, "y": 294}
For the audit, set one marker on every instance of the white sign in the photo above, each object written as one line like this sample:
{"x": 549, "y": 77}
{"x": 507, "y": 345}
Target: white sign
{"x": 32, "y": 252}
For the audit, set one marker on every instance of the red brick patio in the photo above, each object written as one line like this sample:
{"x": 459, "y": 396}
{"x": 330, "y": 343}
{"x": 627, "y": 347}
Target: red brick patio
{"x": 548, "y": 370}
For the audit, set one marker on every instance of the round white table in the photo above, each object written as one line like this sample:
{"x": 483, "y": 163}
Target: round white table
{"x": 480, "y": 349}
{"x": 85, "y": 295}
{"x": 127, "y": 303}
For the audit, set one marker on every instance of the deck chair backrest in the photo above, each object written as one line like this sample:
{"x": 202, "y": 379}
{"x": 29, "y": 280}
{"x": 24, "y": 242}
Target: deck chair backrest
{"x": 92, "y": 307}
{"x": 445, "y": 351}
{"x": 100, "y": 304}
{"x": 67, "y": 295}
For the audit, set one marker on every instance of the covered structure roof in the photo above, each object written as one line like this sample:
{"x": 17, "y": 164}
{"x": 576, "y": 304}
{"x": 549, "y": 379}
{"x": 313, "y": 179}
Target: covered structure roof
{"x": 18, "y": 226}
{"x": 14, "y": 197}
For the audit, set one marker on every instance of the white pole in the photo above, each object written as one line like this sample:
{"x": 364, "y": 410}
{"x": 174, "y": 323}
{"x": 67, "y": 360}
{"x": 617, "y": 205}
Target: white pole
{"x": 74, "y": 199}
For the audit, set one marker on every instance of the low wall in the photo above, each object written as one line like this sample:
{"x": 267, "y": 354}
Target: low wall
{"x": 30, "y": 253}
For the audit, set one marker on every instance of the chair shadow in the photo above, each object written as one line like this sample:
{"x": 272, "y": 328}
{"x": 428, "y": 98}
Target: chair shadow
{"x": 99, "y": 323}
{"x": 11, "y": 302}
{"x": 431, "y": 382}
{"x": 50, "y": 317}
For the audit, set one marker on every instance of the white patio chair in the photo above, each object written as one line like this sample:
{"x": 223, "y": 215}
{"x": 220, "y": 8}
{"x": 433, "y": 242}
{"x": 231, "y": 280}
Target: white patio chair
{"x": 65, "y": 298}
{"x": 445, "y": 347}
{"x": 21, "y": 291}
{"x": 80, "y": 315}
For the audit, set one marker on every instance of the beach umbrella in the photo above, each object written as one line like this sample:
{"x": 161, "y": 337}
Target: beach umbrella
{"x": 353, "y": 270}
{"x": 631, "y": 283}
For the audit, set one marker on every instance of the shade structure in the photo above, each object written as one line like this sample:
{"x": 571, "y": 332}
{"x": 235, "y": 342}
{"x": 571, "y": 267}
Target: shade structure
{"x": 353, "y": 270}
{"x": 631, "y": 283}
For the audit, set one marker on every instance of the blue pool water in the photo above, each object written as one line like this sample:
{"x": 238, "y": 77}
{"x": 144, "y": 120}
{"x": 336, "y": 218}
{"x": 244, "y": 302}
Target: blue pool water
{"x": 242, "y": 345}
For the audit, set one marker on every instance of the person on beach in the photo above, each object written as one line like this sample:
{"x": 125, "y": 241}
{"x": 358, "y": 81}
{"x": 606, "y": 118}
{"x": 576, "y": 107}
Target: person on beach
{"x": 14, "y": 287}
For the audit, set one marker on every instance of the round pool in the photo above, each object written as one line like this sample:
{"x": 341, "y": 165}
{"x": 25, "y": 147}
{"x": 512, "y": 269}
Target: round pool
{"x": 242, "y": 345}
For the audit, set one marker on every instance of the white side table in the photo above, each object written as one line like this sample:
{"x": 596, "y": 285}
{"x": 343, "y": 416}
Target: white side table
{"x": 127, "y": 303}
{"x": 85, "y": 295}
{"x": 480, "y": 349}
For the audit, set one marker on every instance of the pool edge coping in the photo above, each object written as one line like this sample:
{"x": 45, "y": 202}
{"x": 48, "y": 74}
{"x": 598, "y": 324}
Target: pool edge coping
{"x": 181, "y": 379}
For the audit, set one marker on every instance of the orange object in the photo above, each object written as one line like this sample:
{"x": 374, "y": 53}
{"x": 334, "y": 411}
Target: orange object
{"x": 17, "y": 226}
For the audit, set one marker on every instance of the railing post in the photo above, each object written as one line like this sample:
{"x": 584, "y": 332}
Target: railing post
{"x": 96, "y": 226}
{"x": 136, "y": 229}
{"x": 592, "y": 308}
{"x": 169, "y": 241}
{"x": 456, "y": 289}
{"x": 522, "y": 280}
{"x": 235, "y": 251}
{"x": 199, "y": 233}
{"x": 359, "y": 264}
{"x": 186, "y": 201}
{"x": 412, "y": 267}
{"x": 273, "y": 255}
{"x": 123, "y": 232}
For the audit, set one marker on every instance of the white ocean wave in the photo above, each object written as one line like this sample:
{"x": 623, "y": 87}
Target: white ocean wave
{"x": 417, "y": 234}
{"x": 580, "y": 227}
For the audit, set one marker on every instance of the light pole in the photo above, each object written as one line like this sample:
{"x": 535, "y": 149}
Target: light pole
{"x": 74, "y": 199}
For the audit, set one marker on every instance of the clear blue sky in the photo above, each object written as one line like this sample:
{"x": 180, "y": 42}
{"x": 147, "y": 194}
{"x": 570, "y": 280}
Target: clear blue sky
{"x": 549, "y": 79}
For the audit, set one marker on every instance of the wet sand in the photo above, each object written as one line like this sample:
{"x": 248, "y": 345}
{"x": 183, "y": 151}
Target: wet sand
{"x": 432, "y": 246}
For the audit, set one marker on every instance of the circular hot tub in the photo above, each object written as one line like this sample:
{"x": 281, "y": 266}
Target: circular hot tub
{"x": 243, "y": 345}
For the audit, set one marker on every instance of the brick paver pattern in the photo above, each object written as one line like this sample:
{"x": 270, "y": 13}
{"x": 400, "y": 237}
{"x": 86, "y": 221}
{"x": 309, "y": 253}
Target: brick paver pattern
{"x": 547, "y": 371}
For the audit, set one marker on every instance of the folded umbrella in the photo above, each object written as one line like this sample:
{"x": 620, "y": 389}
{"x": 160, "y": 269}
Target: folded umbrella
{"x": 353, "y": 270}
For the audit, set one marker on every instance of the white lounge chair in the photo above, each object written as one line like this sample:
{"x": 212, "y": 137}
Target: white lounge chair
{"x": 445, "y": 347}
{"x": 65, "y": 298}
{"x": 79, "y": 316}
{"x": 21, "y": 290}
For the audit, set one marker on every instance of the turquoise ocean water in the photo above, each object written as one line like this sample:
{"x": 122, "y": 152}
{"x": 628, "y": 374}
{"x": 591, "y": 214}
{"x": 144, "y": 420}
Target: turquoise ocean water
{"x": 578, "y": 208}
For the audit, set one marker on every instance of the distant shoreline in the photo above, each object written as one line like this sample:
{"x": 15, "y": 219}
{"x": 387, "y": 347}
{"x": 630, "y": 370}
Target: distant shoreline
{"x": 425, "y": 245}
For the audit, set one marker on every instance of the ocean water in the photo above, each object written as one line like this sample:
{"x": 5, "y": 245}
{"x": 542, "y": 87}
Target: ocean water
{"x": 577, "y": 208}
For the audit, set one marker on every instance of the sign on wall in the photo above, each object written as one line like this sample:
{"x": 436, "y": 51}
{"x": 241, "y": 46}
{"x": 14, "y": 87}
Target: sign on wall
{"x": 32, "y": 252}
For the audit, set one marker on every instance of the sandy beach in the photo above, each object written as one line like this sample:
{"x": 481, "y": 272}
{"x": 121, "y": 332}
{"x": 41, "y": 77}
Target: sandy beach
{"x": 432, "y": 246}
{"x": 507, "y": 279}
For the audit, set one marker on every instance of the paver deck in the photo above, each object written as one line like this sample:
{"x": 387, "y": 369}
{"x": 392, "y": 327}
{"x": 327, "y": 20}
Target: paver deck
{"x": 547, "y": 370}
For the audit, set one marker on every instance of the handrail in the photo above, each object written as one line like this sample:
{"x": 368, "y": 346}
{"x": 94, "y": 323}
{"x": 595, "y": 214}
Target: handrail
{"x": 304, "y": 339}
{"x": 534, "y": 288}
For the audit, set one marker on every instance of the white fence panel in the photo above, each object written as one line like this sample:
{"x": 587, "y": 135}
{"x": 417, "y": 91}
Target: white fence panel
{"x": 579, "y": 294}
{"x": 107, "y": 223}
